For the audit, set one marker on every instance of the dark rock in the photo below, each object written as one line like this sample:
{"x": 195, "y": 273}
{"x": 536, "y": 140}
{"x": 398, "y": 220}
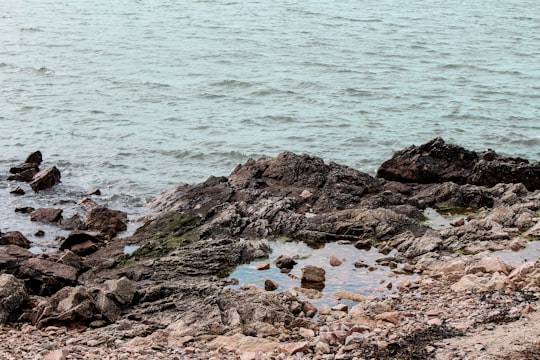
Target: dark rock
{"x": 24, "y": 209}
{"x": 46, "y": 215}
{"x": 284, "y": 262}
{"x": 81, "y": 243}
{"x": 23, "y": 168}
{"x": 94, "y": 191}
{"x": 363, "y": 245}
{"x": 34, "y": 158}
{"x": 506, "y": 170}
{"x": 26, "y": 175}
{"x": 44, "y": 277}
{"x": 432, "y": 162}
{"x": 14, "y": 238}
{"x": 17, "y": 191}
{"x": 39, "y": 233}
{"x": 12, "y": 296}
{"x": 436, "y": 162}
{"x": 45, "y": 179}
{"x": 106, "y": 221}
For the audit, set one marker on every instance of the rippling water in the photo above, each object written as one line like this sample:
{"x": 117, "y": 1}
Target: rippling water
{"x": 137, "y": 96}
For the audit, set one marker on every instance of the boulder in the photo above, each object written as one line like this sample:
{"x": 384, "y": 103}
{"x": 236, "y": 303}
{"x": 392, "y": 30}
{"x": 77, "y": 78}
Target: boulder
{"x": 14, "y": 238}
{"x": 12, "y": 296}
{"x": 68, "y": 305}
{"x": 437, "y": 162}
{"x": 11, "y": 256}
{"x": 44, "y": 277}
{"x": 81, "y": 243}
{"x": 45, "y": 179}
{"x": 432, "y": 162}
{"x": 46, "y": 215}
{"x": 313, "y": 274}
{"x": 106, "y": 221}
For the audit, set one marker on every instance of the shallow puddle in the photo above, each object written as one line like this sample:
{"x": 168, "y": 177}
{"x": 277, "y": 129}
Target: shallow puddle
{"x": 516, "y": 258}
{"x": 371, "y": 279}
{"x": 441, "y": 219}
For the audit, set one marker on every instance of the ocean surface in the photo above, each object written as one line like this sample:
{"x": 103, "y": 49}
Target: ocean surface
{"x": 135, "y": 97}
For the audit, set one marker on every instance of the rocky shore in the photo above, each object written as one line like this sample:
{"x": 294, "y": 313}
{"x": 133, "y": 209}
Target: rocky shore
{"x": 165, "y": 291}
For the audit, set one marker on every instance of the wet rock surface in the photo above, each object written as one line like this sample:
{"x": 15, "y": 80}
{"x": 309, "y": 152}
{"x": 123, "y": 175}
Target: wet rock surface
{"x": 170, "y": 297}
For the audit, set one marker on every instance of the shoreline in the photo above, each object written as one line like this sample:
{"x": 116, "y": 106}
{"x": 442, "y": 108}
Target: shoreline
{"x": 170, "y": 297}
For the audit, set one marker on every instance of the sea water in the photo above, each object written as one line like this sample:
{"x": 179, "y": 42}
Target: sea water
{"x": 135, "y": 97}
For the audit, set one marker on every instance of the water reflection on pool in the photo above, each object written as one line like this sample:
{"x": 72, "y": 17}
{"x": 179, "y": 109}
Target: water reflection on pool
{"x": 369, "y": 280}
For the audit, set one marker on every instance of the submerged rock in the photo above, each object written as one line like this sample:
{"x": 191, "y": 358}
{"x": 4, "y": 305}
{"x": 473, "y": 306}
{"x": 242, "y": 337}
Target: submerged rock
{"x": 45, "y": 179}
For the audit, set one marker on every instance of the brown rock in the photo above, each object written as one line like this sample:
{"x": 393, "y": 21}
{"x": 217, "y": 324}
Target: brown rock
{"x": 294, "y": 347}
{"x": 390, "y": 316}
{"x": 270, "y": 285}
{"x": 314, "y": 274}
{"x": 57, "y": 355}
{"x": 458, "y": 222}
{"x": 106, "y": 221}
{"x": 334, "y": 261}
{"x": 46, "y": 215}
{"x": 309, "y": 309}
{"x": 14, "y": 238}
{"x": 46, "y": 277}
{"x": 81, "y": 243}
{"x": 45, "y": 179}
{"x": 285, "y": 262}
{"x": 265, "y": 266}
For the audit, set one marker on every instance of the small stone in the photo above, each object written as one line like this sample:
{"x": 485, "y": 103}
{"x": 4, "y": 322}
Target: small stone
{"x": 17, "y": 191}
{"x": 306, "y": 333}
{"x": 363, "y": 245}
{"x": 39, "y": 233}
{"x": 340, "y": 307}
{"x": 325, "y": 310}
{"x": 391, "y": 317}
{"x": 94, "y": 191}
{"x": 24, "y": 209}
{"x": 360, "y": 264}
{"x": 435, "y": 322}
{"x": 322, "y": 348}
{"x": 389, "y": 286}
{"x": 458, "y": 222}
{"x": 262, "y": 266}
{"x": 334, "y": 261}
{"x": 57, "y": 355}
{"x": 284, "y": 261}
{"x": 270, "y": 285}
